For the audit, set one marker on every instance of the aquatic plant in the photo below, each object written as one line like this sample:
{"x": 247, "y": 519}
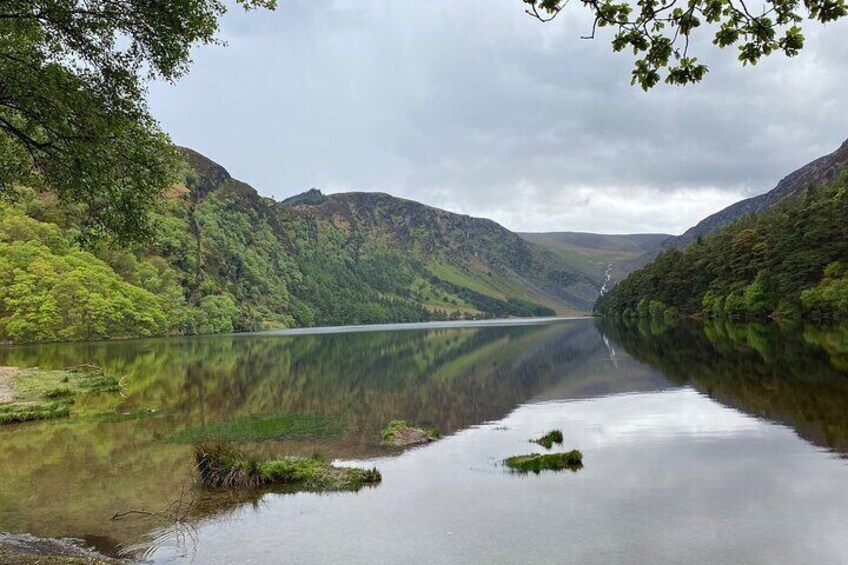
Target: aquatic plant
{"x": 536, "y": 463}
{"x": 221, "y": 465}
{"x": 38, "y": 383}
{"x": 399, "y": 433}
{"x": 548, "y": 440}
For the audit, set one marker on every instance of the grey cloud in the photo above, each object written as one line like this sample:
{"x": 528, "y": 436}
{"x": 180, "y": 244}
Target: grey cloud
{"x": 475, "y": 107}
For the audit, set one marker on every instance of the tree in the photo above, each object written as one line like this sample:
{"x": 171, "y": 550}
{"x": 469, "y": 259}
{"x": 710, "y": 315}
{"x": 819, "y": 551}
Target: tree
{"x": 659, "y": 32}
{"x": 73, "y": 116}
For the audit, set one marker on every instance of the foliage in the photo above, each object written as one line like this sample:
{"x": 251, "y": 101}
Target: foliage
{"x": 51, "y": 290}
{"x": 536, "y": 463}
{"x": 73, "y": 116}
{"x": 659, "y": 34}
{"x": 223, "y": 259}
{"x": 786, "y": 261}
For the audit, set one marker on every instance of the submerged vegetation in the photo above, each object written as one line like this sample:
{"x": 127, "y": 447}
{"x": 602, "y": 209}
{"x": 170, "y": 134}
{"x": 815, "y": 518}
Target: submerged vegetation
{"x": 221, "y": 465}
{"x": 47, "y": 395}
{"x": 285, "y": 427}
{"x": 28, "y": 411}
{"x": 549, "y": 439}
{"x": 536, "y": 463}
{"x": 398, "y": 433}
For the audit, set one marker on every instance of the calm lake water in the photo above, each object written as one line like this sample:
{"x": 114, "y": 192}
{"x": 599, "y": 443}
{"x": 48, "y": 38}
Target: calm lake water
{"x": 716, "y": 443}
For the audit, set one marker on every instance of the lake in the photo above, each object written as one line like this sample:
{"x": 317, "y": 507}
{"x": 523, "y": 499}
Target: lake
{"x": 701, "y": 442}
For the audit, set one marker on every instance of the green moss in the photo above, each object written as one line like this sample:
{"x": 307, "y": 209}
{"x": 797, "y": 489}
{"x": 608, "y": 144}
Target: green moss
{"x": 221, "y": 465}
{"x": 286, "y": 427}
{"x": 548, "y": 440}
{"x": 400, "y": 433}
{"x": 536, "y": 463}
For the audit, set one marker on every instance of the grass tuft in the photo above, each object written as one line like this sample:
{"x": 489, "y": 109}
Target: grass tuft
{"x": 399, "y": 433}
{"x": 536, "y": 463}
{"x": 548, "y": 440}
{"x": 221, "y": 465}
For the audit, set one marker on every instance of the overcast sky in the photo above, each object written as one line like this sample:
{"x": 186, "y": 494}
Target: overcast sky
{"x": 472, "y": 106}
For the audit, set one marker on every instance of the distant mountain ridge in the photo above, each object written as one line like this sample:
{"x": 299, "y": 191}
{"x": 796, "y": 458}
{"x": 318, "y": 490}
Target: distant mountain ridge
{"x": 456, "y": 248}
{"x": 593, "y": 254}
{"x": 782, "y": 254}
{"x": 224, "y": 258}
{"x": 816, "y": 173}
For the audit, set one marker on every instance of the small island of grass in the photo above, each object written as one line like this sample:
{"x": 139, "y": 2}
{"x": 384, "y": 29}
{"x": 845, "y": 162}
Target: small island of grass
{"x": 536, "y": 463}
{"x": 221, "y": 465}
{"x": 400, "y": 434}
{"x": 548, "y": 440}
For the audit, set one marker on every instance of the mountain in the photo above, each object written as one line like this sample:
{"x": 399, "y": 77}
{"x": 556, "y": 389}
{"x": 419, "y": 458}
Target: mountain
{"x": 814, "y": 174}
{"x": 789, "y": 259}
{"x": 224, "y": 258}
{"x": 592, "y": 254}
{"x": 456, "y": 251}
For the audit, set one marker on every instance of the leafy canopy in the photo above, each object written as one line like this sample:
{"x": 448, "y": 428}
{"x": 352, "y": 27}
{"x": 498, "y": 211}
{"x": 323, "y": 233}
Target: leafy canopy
{"x": 73, "y": 116}
{"x": 659, "y": 31}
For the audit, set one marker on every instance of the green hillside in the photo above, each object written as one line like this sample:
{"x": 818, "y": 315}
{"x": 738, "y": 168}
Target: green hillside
{"x": 790, "y": 260}
{"x": 591, "y": 253}
{"x": 223, "y": 258}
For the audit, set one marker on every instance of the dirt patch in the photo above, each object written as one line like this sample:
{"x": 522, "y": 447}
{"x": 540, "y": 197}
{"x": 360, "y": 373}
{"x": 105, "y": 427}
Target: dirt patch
{"x": 7, "y": 393}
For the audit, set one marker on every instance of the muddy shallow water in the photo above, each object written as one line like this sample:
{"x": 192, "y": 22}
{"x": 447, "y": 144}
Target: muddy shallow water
{"x": 701, "y": 444}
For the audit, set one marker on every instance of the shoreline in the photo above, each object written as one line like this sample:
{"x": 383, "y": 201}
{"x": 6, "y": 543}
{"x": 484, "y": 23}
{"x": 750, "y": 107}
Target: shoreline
{"x": 316, "y": 330}
{"x": 26, "y": 549}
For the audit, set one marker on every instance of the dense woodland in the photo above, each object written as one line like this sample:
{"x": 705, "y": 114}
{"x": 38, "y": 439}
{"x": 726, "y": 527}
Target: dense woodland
{"x": 788, "y": 261}
{"x": 224, "y": 259}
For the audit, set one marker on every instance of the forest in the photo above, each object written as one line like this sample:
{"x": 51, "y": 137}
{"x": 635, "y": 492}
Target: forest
{"x": 789, "y": 261}
{"x": 222, "y": 259}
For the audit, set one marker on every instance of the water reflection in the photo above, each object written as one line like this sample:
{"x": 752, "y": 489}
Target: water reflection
{"x": 669, "y": 417}
{"x": 70, "y": 477}
{"x": 668, "y": 477}
{"x": 794, "y": 374}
